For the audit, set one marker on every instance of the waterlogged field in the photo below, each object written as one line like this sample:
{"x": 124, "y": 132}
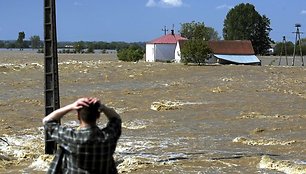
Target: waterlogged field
{"x": 176, "y": 118}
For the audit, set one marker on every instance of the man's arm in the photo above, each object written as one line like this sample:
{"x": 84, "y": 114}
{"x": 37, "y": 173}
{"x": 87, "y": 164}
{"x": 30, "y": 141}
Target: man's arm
{"x": 113, "y": 127}
{"x": 110, "y": 113}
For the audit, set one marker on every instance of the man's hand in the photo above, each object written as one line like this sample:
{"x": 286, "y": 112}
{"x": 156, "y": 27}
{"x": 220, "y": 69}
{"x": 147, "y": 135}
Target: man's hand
{"x": 93, "y": 100}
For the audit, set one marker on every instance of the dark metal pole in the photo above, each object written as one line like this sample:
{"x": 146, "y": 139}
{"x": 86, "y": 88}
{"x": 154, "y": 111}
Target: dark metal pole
{"x": 52, "y": 100}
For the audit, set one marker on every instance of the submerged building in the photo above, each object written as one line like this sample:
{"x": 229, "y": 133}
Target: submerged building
{"x": 232, "y": 52}
{"x": 168, "y": 49}
{"x": 163, "y": 48}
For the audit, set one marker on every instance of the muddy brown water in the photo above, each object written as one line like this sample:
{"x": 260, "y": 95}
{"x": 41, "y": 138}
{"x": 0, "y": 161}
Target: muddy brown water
{"x": 225, "y": 120}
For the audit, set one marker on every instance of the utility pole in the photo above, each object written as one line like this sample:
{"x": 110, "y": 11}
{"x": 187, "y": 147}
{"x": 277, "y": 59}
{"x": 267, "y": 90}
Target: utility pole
{"x": 165, "y": 30}
{"x": 284, "y": 45}
{"x": 52, "y": 100}
{"x": 297, "y": 41}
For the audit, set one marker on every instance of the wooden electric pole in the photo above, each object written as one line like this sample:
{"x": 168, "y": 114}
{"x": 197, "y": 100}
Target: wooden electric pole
{"x": 284, "y": 46}
{"x": 297, "y": 42}
{"x": 52, "y": 100}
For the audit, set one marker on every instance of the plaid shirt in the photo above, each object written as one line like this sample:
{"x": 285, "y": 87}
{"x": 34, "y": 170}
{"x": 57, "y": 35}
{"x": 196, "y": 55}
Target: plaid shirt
{"x": 84, "y": 151}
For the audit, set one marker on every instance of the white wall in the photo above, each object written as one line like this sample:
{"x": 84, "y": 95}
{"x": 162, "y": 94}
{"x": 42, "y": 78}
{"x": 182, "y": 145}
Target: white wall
{"x": 178, "y": 56}
{"x": 150, "y": 53}
{"x": 160, "y": 52}
{"x": 164, "y": 52}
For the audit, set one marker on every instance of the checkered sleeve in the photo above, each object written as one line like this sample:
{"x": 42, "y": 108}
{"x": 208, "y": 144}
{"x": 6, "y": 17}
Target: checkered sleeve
{"x": 113, "y": 128}
{"x": 59, "y": 133}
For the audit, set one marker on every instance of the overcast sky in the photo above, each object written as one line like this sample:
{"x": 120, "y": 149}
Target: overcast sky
{"x": 138, "y": 20}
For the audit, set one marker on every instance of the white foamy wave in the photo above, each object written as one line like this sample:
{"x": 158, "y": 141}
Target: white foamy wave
{"x": 18, "y": 67}
{"x": 136, "y": 124}
{"x": 121, "y": 110}
{"x": 285, "y": 166}
{"x": 90, "y": 63}
{"x": 20, "y": 146}
{"x": 262, "y": 142}
{"x": 130, "y": 164}
{"x": 42, "y": 163}
{"x": 130, "y": 145}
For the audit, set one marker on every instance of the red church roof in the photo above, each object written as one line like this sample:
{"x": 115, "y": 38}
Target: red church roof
{"x": 235, "y": 47}
{"x": 168, "y": 39}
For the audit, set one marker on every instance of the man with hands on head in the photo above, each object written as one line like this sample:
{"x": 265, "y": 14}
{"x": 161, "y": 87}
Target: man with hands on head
{"x": 87, "y": 149}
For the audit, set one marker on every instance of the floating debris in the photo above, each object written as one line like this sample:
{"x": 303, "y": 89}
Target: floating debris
{"x": 227, "y": 79}
{"x": 5, "y": 67}
{"x": 217, "y": 90}
{"x": 253, "y": 115}
{"x": 262, "y": 142}
{"x": 221, "y": 89}
{"x": 171, "y": 105}
{"x": 165, "y": 105}
{"x": 257, "y": 130}
{"x": 281, "y": 165}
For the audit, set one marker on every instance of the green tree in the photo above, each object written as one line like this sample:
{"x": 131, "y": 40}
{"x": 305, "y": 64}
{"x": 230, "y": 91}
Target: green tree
{"x": 261, "y": 40}
{"x": 198, "y": 30}
{"x": 303, "y": 41}
{"x": 195, "y": 51}
{"x": 79, "y": 47}
{"x": 243, "y": 22}
{"x": 90, "y": 48}
{"x": 35, "y": 41}
{"x": 2, "y": 44}
{"x": 279, "y": 48}
{"x": 132, "y": 54}
{"x": 213, "y": 34}
{"x": 20, "y": 42}
{"x": 10, "y": 45}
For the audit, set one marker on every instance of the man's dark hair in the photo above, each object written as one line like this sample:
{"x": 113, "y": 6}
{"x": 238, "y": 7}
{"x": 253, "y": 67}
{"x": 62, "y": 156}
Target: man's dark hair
{"x": 90, "y": 114}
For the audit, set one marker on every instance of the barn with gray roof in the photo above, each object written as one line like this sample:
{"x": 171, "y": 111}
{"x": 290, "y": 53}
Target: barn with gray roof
{"x": 232, "y": 52}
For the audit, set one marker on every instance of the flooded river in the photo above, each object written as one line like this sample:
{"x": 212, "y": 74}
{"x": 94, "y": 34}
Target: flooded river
{"x": 176, "y": 119}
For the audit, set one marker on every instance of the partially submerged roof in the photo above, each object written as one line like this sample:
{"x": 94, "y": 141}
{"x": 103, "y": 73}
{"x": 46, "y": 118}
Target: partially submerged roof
{"x": 232, "y": 47}
{"x": 240, "y": 59}
{"x": 167, "y": 39}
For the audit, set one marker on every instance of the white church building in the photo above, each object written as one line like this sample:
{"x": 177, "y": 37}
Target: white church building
{"x": 163, "y": 48}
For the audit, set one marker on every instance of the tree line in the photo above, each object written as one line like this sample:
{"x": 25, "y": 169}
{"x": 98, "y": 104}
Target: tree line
{"x": 35, "y": 42}
{"x": 288, "y": 48}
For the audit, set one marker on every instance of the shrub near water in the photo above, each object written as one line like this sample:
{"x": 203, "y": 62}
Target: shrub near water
{"x": 195, "y": 51}
{"x": 132, "y": 54}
